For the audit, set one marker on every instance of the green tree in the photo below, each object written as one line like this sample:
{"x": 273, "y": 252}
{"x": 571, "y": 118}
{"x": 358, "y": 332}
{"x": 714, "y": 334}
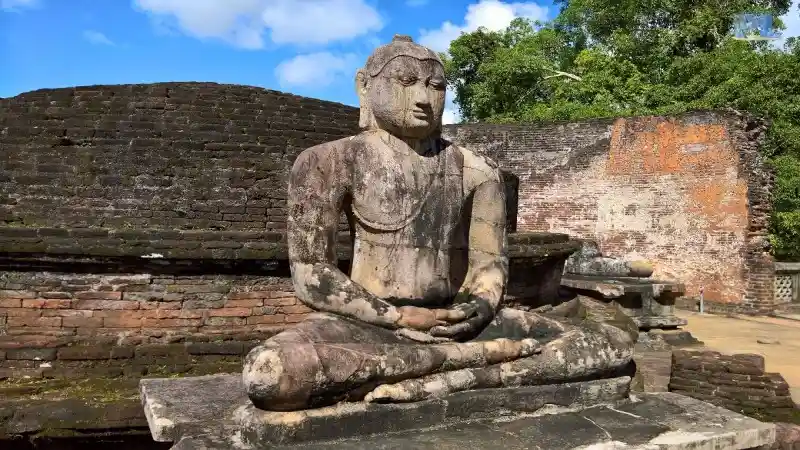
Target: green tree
{"x": 607, "y": 58}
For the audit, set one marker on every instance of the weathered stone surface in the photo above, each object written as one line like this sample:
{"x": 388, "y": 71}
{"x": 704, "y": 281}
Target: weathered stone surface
{"x": 69, "y": 415}
{"x": 431, "y": 323}
{"x": 360, "y": 419}
{"x": 589, "y": 260}
{"x": 642, "y": 425}
{"x": 177, "y": 407}
{"x": 650, "y": 303}
{"x": 523, "y": 418}
{"x": 181, "y": 406}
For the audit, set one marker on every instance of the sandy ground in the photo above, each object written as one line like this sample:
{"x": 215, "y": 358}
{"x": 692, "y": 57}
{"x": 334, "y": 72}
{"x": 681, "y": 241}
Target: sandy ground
{"x": 740, "y": 334}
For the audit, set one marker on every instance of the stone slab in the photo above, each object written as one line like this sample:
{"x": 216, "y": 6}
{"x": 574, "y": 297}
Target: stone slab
{"x": 612, "y": 287}
{"x": 659, "y": 321}
{"x": 178, "y": 407}
{"x": 358, "y": 419}
{"x": 663, "y": 421}
{"x": 201, "y": 413}
{"x": 190, "y": 407}
{"x": 677, "y": 338}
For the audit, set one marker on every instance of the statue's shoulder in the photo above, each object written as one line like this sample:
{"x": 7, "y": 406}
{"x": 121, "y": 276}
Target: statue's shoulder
{"x": 477, "y": 167}
{"x": 329, "y": 154}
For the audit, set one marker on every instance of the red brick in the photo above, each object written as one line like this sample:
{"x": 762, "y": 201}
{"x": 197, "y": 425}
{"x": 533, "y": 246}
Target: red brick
{"x": 122, "y": 322}
{"x": 296, "y": 309}
{"x": 93, "y": 295}
{"x": 47, "y": 303}
{"x": 34, "y": 321}
{"x": 10, "y": 302}
{"x": 20, "y": 312}
{"x": 105, "y": 304}
{"x": 68, "y": 313}
{"x": 247, "y": 295}
{"x": 281, "y": 301}
{"x": 244, "y": 303}
{"x": 82, "y": 322}
{"x": 118, "y": 313}
{"x": 174, "y": 313}
{"x": 171, "y": 323}
{"x": 271, "y": 319}
{"x": 230, "y": 312}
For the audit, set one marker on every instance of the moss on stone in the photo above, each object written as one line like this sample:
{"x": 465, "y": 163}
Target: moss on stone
{"x": 103, "y": 390}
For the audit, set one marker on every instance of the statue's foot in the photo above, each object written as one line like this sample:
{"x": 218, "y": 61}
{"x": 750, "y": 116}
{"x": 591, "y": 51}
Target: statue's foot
{"x": 431, "y": 386}
{"x": 444, "y": 383}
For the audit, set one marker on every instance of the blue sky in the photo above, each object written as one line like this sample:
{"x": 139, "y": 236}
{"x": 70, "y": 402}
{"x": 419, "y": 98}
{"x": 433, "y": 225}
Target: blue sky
{"x": 307, "y": 47}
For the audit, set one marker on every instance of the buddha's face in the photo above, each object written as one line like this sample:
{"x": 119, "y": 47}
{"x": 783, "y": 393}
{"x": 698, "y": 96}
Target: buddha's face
{"x": 407, "y": 97}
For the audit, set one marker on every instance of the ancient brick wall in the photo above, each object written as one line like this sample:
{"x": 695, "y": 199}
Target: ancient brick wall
{"x": 689, "y": 193}
{"x": 736, "y": 382}
{"x": 177, "y": 156}
{"x": 148, "y": 214}
{"x": 155, "y": 214}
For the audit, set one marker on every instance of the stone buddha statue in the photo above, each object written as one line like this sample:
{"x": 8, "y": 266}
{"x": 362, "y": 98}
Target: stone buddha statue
{"x": 421, "y": 313}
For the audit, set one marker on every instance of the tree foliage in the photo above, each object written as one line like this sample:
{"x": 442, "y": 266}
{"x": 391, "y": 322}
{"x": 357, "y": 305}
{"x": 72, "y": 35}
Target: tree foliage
{"x": 609, "y": 58}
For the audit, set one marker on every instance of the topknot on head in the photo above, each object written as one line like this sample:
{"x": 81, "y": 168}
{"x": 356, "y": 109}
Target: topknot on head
{"x": 401, "y": 45}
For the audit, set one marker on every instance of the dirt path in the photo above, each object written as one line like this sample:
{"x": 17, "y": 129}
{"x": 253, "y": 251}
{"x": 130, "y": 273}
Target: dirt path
{"x": 740, "y": 334}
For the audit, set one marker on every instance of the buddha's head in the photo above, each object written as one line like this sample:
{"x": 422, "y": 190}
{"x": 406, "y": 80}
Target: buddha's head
{"x": 401, "y": 90}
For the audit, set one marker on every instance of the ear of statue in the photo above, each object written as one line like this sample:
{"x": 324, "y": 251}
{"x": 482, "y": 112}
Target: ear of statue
{"x": 366, "y": 120}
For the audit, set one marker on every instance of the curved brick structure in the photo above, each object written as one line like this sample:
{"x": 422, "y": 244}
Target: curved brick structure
{"x": 174, "y": 156}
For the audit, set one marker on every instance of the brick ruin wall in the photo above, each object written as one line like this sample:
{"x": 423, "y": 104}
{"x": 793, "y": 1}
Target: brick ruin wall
{"x": 154, "y": 214}
{"x": 138, "y": 215}
{"x": 736, "y": 382}
{"x": 689, "y": 193}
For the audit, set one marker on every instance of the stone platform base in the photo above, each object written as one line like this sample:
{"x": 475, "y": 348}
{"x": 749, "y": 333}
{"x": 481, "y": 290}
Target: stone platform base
{"x": 213, "y": 413}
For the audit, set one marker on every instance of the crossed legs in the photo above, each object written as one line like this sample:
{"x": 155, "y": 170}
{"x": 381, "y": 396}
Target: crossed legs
{"x": 327, "y": 359}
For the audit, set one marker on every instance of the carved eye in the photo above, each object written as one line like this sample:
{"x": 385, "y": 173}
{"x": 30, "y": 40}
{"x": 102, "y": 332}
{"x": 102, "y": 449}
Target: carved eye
{"x": 437, "y": 83}
{"x": 407, "y": 80}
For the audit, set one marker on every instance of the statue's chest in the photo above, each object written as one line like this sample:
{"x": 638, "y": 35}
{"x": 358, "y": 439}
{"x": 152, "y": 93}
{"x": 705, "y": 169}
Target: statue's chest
{"x": 391, "y": 190}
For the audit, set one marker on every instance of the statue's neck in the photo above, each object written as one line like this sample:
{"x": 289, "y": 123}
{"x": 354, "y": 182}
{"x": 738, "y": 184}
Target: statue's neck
{"x": 425, "y": 146}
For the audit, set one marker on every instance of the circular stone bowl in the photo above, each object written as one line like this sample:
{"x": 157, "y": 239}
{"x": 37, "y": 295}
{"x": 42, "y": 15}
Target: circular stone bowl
{"x": 536, "y": 263}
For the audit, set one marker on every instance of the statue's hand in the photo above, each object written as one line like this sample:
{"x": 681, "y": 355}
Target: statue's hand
{"x": 424, "y": 319}
{"x": 477, "y": 313}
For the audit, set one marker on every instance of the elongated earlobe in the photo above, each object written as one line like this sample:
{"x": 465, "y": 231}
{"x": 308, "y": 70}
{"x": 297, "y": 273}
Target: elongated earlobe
{"x": 366, "y": 121}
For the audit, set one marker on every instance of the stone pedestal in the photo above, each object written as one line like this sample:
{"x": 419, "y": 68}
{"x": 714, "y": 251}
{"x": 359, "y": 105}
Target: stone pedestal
{"x": 650, "y": 303}
{"x": 213, "y": 413}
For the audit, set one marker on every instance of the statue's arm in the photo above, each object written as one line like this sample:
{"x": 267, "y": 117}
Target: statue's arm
{"x": 487, "y": 273}
{"x": 318, "y": 183}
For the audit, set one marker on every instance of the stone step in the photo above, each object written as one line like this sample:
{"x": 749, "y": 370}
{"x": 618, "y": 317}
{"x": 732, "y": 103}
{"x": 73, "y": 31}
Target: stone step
{"x": 213, "y": 413}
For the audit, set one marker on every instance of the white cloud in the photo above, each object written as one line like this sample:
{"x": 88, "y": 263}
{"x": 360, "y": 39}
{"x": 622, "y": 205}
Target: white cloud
{"x": 96, "y": 37}
{"x": 15, "y": 5}
{"x": 315, "y": 69}
{"x": 243, "y": 23}
{"x": 451, "y": 114}
{"x": 494, "y": 15}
